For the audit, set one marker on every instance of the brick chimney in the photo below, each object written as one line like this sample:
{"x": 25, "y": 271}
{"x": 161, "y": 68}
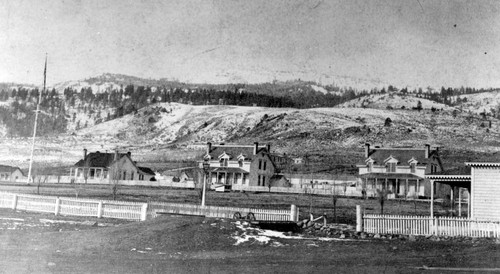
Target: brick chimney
{"x": 367, "y": 150}
{"x": 427, "y": 150}
{"x": 255, "y": 148}
{"x": 268, "y": 148}
{"x": 129, "y": 154}
{"x": 209, "y": 147}
{"x": 116, "y": 155}
{"x": 84, "y": 153}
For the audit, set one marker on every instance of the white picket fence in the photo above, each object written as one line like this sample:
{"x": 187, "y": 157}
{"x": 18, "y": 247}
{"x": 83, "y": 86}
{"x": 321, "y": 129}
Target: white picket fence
{"x": 156, "y": 208}
{"x": 132, "y": 210}
{"x": 423, "y": 225}
{"x": 325, "y": 190}
{"x": 74, "y": 207}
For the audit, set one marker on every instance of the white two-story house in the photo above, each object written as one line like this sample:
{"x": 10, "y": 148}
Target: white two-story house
{"x": 242, "y": 164}
{"x": 400, "y": 171}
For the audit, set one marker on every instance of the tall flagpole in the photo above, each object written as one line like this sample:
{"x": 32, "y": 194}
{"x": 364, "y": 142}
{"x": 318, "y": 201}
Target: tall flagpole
{"x": 36, "y": 118}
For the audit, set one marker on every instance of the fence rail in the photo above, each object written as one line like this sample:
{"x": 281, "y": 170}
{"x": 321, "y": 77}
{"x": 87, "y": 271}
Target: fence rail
{"x": 423, "y": 225}
{"x": 132, "y": 210}
{"x": 74, "y": 207}
{"x": 223, "y": 212}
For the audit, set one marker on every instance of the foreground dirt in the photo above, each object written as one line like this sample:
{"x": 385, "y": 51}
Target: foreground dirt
{"x": 202, "y": 245}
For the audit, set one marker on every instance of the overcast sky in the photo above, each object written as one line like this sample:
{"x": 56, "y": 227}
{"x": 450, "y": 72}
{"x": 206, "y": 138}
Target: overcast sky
{"x": 416, "y": 43}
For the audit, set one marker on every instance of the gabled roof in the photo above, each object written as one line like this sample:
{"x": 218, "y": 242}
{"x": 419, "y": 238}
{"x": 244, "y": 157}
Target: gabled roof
{"x": 98, "y": 159}
{"x": 9, "y": 169}
{"x": 234, "y": 151}
{"x": 146, "y": 170}
{"x": 403, "y": 155}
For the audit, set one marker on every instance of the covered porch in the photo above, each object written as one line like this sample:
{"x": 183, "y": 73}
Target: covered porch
{"x": 228, "y": 176}
{"x": 400, "y": 184}
{"x": 88, "y": 172}
{"x": 456, "y": 183}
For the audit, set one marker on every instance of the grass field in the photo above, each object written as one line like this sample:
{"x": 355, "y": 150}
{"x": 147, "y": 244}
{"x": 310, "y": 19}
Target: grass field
{"x": 316, "y": 204}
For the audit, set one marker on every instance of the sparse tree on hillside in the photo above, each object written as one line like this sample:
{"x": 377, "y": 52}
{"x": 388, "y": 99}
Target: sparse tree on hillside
{"x": 419, "y": 106}
{"x": 388, "y": 122}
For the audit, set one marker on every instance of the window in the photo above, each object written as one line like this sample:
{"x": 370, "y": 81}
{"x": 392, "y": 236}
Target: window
{"x": 258, "y": 180}
{"x": 263, "y": 180}
{"x": 370, "y": 167}
{"x": 124, "y": 175}
{"x": 260, "y": 164}
{"x": 413, "y": 167}
{"x": 265, "y": 162}
{"x": 223, "y": 162}
{"x": 391, "y": 167}
{"x": 240, "y": 163}
{"x": 141, "y": 177}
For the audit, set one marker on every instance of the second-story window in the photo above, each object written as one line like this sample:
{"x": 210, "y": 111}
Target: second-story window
{"x": 265, "y": 162}
{"x": 391, "y": 167}
{"x": 223, "y": 162}
{"x": 240, "y": 163}
{"x": 260, "y": 164}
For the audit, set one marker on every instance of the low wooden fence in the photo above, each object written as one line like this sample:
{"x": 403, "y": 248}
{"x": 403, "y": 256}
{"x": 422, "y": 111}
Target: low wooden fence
{"x": 132, "y": 210}
{"x": 423, "y": 225}
{"x": 326, "y": 190}
{"x": 223, "y": 212}
{"x": 74, "y": 207}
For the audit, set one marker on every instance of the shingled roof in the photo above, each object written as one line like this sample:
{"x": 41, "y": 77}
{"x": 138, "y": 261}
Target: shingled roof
{"x": 146, "y": 170}
{"x": 9, "y": 169}
{"x": 403, "y": 155}
{"x": 234, "y": 151}
{"x": 98, "y": 159}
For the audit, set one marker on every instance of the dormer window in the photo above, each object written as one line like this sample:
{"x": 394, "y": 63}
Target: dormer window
{"x": 413, "y": 167}
{"x": 240, "y": 163}
{"x": 370, "y": 166}
{"x": 391, "y": 167}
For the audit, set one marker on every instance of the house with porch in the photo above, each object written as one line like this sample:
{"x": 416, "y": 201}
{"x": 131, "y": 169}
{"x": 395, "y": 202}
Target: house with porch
{"x": 108, "y": 166}
{"x": 11, "y": 174}
{"x": 400, "y": 171}
{"x": 242, "y": 164}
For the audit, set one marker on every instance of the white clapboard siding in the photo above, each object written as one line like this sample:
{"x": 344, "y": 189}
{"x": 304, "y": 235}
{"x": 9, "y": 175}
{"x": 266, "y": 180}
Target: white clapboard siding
{"x": 486, "y": 187}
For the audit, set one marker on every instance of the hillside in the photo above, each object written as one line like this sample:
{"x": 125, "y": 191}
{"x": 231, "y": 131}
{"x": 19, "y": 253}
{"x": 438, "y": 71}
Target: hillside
{"x": 392, "y": 100}
{"x": 487, "y": 102}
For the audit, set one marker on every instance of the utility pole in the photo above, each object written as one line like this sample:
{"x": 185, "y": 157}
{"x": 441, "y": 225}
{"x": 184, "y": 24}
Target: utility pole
{"x": 36, "y": 119}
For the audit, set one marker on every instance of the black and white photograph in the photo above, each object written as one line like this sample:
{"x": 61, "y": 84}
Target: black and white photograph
{"x": 249, "y": 136}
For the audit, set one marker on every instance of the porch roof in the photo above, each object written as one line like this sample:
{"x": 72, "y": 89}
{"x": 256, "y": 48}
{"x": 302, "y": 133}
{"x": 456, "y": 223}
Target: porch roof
{"x": 451, "y": 180}
{"x": 390, "y": 176}
{"x": 229, "y": 170}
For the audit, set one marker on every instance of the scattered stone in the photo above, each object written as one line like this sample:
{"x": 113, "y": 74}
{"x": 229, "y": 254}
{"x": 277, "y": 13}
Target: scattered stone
{"x": 342, "y": 236}
{"x": 412, "y": 238}
{"x": 362, "y": 235}
{"x": 51, "y": 264}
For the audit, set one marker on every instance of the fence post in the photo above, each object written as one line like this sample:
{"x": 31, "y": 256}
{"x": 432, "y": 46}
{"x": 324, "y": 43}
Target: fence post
{"x": 293, "y": 213}
{"x": 99, "y": 210}
{"x": 359, "y": 219}
{"x": 14, "y": 202}
{"x": 57, "y": 207}
{"x": 144, "y": 211}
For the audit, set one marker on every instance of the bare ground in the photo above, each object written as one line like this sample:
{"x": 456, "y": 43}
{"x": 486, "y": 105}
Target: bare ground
{"x": 204, "y": 245}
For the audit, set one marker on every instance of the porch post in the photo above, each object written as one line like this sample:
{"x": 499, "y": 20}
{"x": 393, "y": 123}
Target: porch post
{"x": 432, "y": 198}
{"x": 406, "y": 189}
{"x": 459, "y": 202}
{"x": 452, "y": 198}
{"x": 386, "y": 184}
{"x": 468, "y": 204}
{"x": 417, "y": 188}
